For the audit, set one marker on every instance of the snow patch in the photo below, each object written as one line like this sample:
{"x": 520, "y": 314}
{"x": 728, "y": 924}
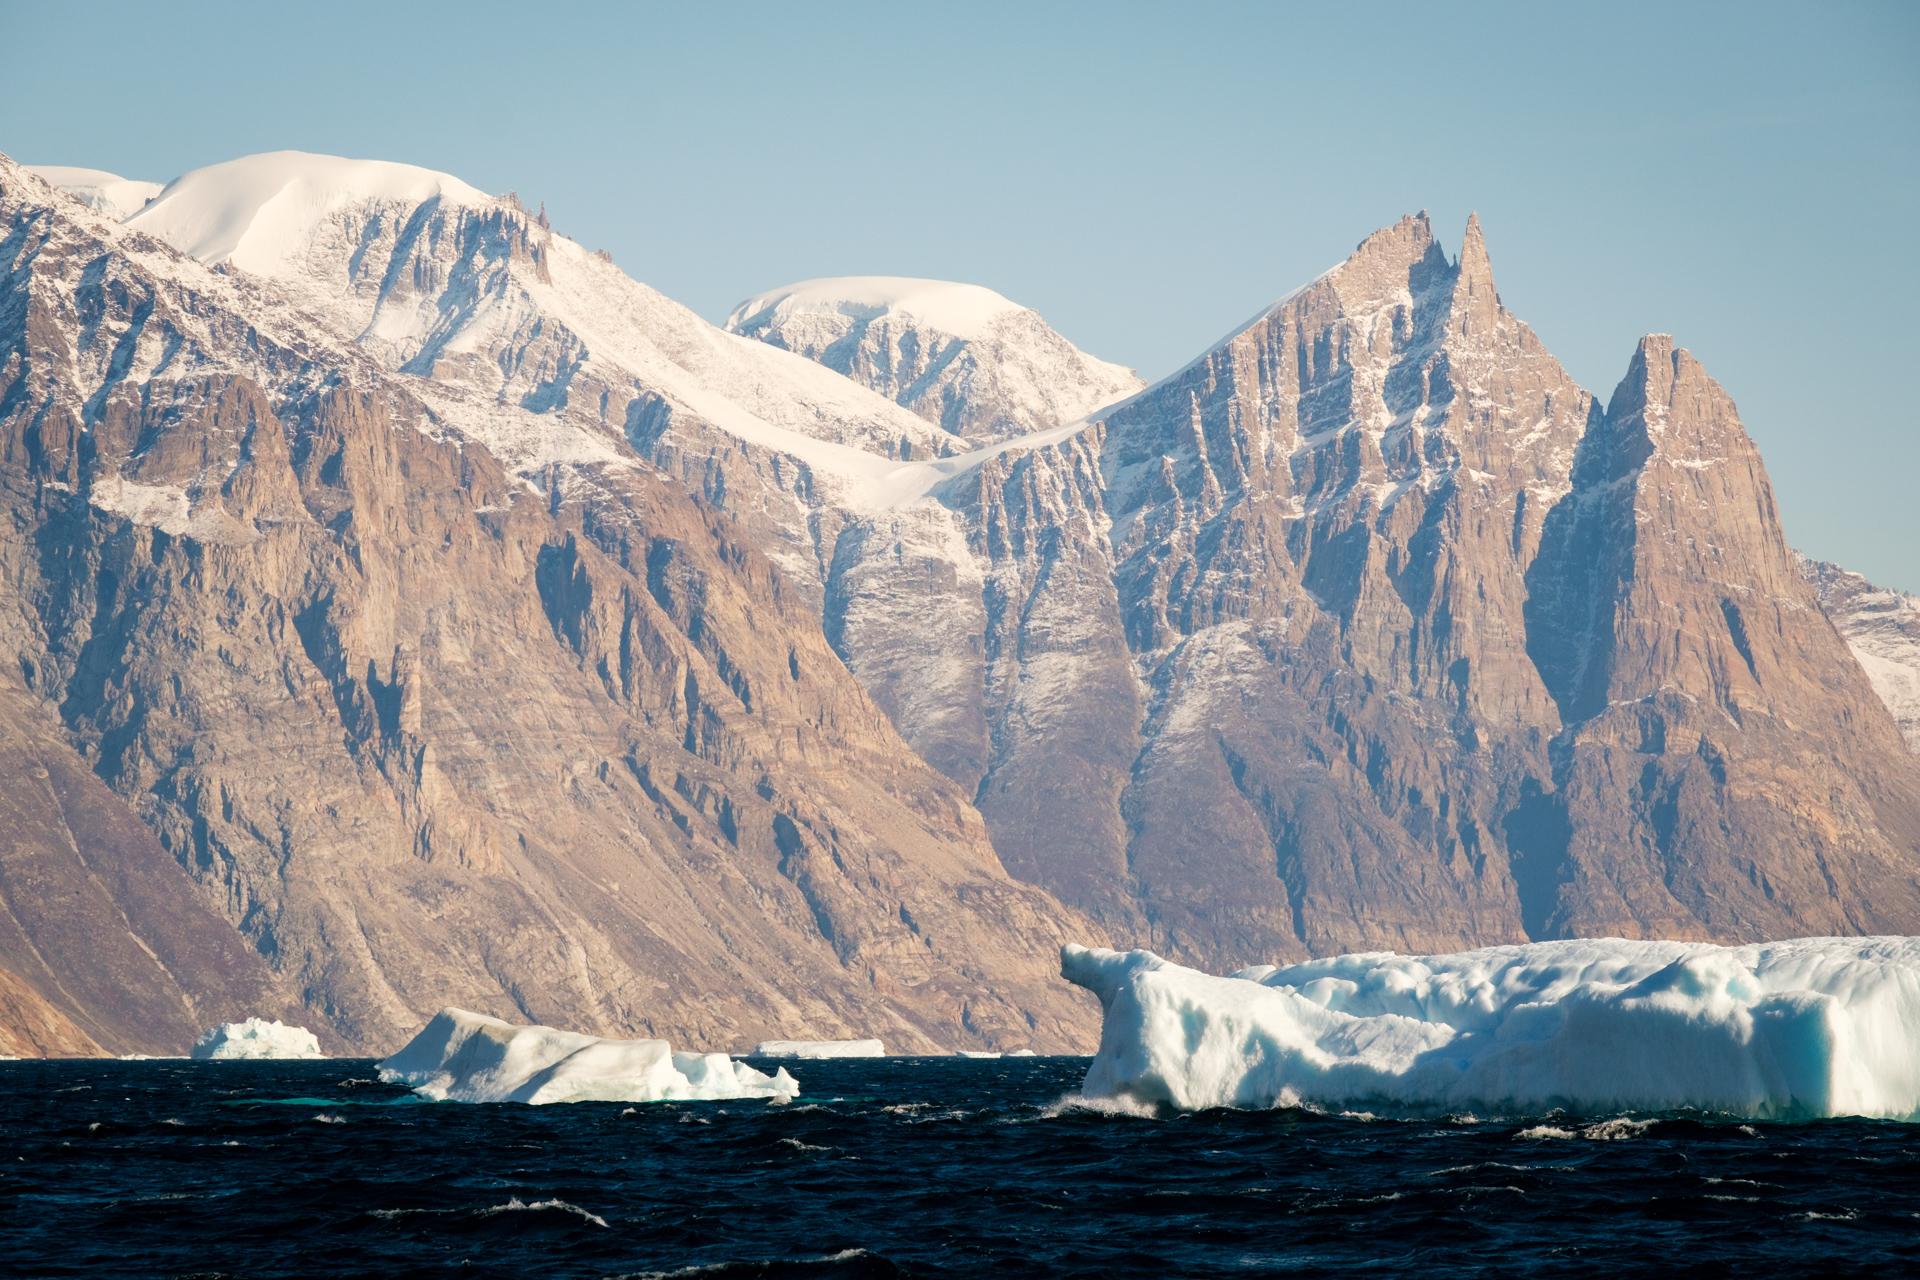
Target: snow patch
{"x": 469, "y": 1057}
{"x": 256, "y": 1038}
{"x": 1813, "y": 1027}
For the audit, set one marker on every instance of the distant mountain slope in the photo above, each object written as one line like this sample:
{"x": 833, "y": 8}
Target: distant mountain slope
{"x": 1882, "y": 628}
{"x": 439, "y": 692}
{"x": 958, "y": 355}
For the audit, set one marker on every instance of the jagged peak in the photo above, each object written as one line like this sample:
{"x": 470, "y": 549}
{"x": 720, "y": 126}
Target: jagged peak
{"x": 1405, "y": 241}
{"x": 1473, "y": 250}
{"x": 1669, "y": 401}
{"x": 1476, "y": 303}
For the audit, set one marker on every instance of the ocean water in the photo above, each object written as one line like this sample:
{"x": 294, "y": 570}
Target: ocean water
{"x": 903, "y": 1166}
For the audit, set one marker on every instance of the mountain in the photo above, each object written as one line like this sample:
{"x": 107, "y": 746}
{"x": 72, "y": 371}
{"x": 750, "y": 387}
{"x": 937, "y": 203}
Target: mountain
{"x": 472, "y": 623}
{"x": 1370, "y": 629}
{"x": 333, "y": 558}
{"x": 958, "y": 355}
{"x": 1882, "y": 628}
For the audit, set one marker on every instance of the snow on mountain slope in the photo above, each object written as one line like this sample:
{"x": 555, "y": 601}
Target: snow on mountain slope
{"x": 261, "y": 213}
{"x": 105, "y": 193}
{"x": 548, "y": 351}
{"x": 962, "y": 310}
{"x": 1883, "y": 629}
{"x": 439, "y": 279}
{"x": 959, "y": 355}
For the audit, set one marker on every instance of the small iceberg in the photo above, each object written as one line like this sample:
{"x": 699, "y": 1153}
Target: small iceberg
{"x": 818, "y": 1049}
{"x": 469, "y": 1057}
{"x": 975, "y": 1053}
{"x": 255, "y": 1038}
{"x": 1784, "y": 1030}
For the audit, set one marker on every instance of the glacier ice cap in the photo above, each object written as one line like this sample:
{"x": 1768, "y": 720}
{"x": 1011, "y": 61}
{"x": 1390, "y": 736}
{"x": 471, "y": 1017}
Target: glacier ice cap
{"x": 259, "y": 212}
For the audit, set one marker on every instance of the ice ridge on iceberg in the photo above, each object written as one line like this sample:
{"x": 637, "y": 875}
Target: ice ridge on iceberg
{"x": 256, "y": 1038}
{"x": 469, "y": 1057}
{"x": 1783, "y": 1030}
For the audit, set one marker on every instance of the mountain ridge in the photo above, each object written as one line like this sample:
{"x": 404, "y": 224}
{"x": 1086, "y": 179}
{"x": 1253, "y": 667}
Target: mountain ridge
{"x": 1368, "y": 628}
{"x": 553, "y": 742}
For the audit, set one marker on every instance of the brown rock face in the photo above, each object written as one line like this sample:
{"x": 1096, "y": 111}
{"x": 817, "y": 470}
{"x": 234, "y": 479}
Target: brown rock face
{"x": 105, "y": 946}
{"x": 422, "y": 732}
{"x": 32, "y": 1028}
{"x": 1731, "y": 772}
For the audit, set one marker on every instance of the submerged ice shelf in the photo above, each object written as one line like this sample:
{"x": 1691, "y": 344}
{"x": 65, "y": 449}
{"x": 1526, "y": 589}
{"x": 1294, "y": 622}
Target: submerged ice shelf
{"x": 1812, "y": 1027}
{"x": 469, "y": 1057}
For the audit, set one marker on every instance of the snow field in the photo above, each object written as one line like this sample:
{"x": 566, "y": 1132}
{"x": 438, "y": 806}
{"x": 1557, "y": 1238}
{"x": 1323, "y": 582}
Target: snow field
{"x": 1788, "y": 1030}
{"x": 469, "y": 1057}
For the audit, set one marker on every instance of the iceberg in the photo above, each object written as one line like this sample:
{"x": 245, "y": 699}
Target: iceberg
{"x": 1782, "y": 1030}
{"x": 469, "y": 1057}
{"x": 818, "y": 1049}
{"x": 255, "y": 1038}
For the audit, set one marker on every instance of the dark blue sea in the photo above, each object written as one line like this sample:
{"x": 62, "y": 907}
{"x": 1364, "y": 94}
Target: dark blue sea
{"x": 903, "y": 1167}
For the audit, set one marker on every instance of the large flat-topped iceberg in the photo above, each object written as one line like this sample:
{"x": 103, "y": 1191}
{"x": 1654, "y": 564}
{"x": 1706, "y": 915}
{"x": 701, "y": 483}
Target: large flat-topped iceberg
{"x": 469, "y": 1057}
{"x": 256, "y": 1038}
{"x": 818, "y": 1049}
{"x": 1813, "y": 1027}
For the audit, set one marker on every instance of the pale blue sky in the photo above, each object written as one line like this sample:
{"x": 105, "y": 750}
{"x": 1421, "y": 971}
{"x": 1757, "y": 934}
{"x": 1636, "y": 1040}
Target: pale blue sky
{"x": 1745, "y": 176}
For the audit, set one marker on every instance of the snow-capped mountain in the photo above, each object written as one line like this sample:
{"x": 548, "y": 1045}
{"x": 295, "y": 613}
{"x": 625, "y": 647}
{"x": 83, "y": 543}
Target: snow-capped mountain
{"x": 547, "y": 351}
{"x": 1366, "y": 629}
{"x": 959, "y": 355}
{"x": 1370, "y": 628}
{"x": 341, "y": 576}
{"x": 1882, "y": 628}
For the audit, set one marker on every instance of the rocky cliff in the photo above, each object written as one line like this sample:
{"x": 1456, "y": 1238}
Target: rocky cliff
{"x": 1370, "y": 629}
{"x": 435, "y": 697}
